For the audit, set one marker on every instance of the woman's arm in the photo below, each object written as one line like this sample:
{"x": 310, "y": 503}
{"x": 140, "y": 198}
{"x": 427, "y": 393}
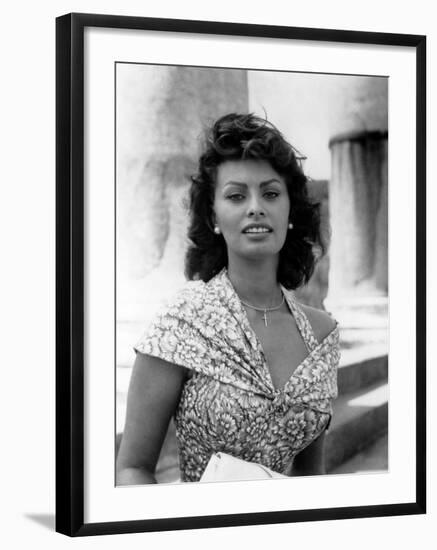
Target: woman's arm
{"x": 311, "y": 461}
{"x": 153, "y": 395}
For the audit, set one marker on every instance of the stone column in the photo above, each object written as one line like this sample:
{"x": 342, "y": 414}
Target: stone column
{"x": 161, "y": 112}
{"x": 358, "y": 279}
{"x": 359, "y": 215}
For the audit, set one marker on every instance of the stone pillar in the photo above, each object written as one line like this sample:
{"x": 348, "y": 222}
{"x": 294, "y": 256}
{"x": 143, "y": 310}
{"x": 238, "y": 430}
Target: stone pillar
{"x": 359, "y": 216}
{"x": 161, "y": 114}
{"x": 358, "y": 278}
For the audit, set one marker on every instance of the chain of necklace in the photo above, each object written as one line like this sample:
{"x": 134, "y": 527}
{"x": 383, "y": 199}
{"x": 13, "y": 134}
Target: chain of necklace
{"x": 264, "y": 309}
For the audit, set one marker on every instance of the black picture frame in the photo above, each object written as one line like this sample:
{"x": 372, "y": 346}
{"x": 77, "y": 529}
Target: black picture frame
{"x": 70, "y": 272}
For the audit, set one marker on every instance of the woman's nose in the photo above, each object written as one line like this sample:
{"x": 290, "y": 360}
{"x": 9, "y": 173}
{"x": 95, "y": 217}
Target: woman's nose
{"x": 255, "y": 209}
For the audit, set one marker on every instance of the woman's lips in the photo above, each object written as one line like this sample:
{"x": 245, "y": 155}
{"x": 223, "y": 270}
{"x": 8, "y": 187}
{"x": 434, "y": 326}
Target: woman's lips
{"x": 257, "y": 229}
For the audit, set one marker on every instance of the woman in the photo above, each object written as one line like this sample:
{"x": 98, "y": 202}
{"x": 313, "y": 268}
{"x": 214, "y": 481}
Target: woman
{"x": 243, "y": 368}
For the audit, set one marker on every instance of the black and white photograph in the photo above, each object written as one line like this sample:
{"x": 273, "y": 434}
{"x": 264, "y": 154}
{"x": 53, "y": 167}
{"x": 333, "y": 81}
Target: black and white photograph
{"x": 217, "y": 279}
{"x": 240, "y": 266}
{"x": 251, "y": 274}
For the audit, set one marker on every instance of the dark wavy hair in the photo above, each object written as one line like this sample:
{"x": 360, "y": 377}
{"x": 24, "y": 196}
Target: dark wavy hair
{"x": 239, "y": 137}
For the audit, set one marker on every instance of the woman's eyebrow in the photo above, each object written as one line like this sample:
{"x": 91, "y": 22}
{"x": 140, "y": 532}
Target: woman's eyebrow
{"x": 243, "y": 184}
{"x": 267, "y": 182}
{"x": 238, "y": 183}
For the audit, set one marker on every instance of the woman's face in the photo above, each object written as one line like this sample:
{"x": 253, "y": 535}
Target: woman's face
{"x": 251, "y": 206}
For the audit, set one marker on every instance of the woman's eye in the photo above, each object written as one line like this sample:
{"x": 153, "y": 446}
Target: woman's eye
{"x": 236, "y": 197}
{"x": 271, "y": 194}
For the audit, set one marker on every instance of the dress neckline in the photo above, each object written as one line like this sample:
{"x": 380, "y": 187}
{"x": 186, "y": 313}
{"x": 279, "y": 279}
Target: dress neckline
{"x": 302, "y": 322}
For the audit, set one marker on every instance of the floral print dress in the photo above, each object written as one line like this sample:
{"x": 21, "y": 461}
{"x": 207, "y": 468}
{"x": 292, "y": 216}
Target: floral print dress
{"x": 228, "y": 402}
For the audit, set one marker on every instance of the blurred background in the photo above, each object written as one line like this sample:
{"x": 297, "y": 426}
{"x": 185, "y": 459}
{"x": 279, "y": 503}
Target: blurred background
{"x": 339, "y": 123}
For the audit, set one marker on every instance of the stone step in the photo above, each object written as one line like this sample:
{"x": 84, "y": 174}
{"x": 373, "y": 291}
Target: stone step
{"x": 359, "y": 419}
{"x": 372, "y": 459}
{"x": 362, "y": 372}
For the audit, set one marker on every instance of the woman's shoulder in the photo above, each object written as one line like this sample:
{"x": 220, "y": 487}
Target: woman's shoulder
{"x": 190, "y": 298}
{"x": 321, "y": 321}
{"x": 194, "y": 301}
{"x": 177, "y": 311}
{"x": 199, "y": 290}
{"x": 188, "y": 290}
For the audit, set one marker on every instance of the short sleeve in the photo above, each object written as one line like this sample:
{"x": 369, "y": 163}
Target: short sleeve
{"x": 175, "y": 336}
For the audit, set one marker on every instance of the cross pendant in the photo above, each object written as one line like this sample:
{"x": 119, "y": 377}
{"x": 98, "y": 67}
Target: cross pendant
{"x": 265, "y": 317}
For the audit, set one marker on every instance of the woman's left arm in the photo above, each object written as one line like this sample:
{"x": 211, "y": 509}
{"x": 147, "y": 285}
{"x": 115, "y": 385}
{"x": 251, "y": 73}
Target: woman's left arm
{"x": 311, "y": 461}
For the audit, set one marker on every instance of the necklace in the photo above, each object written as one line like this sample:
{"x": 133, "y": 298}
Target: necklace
{"x": 264, "y": 309}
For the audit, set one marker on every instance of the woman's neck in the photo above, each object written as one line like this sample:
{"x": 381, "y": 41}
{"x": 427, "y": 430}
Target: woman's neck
{"x": 255, "y": 282}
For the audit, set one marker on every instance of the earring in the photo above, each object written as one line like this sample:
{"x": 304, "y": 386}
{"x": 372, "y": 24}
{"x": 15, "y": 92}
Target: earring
{"x": 217, "y": 230}
{"x": 290, "y": 226}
